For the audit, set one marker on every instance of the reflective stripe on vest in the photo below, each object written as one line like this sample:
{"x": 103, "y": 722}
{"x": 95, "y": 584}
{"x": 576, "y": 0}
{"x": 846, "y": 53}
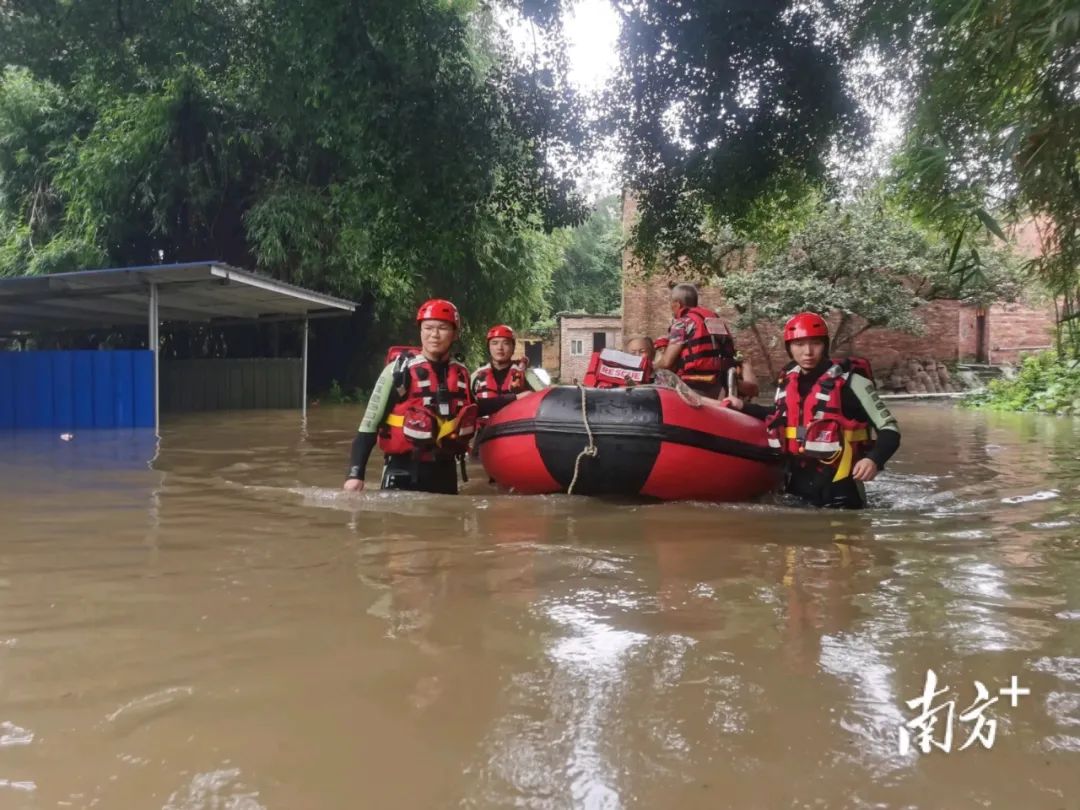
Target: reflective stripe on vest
{"x": 788, "y": 426}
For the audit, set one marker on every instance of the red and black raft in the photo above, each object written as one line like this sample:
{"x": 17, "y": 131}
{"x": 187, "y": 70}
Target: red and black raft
{"x": 650, "y": 441}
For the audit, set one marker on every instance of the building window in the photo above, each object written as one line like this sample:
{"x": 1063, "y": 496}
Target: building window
{"x": 576, "y": 349}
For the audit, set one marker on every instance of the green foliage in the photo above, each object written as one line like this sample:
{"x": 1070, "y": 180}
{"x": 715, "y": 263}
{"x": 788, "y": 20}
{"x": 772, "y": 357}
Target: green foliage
{"x": 1048, "y": 382}
{"x": 385, "y": 151}
{"x": 995, "y": 124}
{"x": 336, "y": 395}
{"x": 867, "y": 260}
{"x": 719, "y": 103}
{"x": 589, "y": 279}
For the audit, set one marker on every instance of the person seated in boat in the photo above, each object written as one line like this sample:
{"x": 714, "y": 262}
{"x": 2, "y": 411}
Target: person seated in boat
{"x": 421, "y": 412}
{"x": 825, "y": 414}
{"x": 611, "y": 368}
{"x": 642, "y": 346}
{"x": 700, "y": 348}
{"x": 659, "y": 347}
{"x": 502, "y": 379}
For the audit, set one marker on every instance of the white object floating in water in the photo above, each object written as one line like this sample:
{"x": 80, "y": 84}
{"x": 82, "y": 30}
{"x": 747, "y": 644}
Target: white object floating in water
{"x": 25, "y": 786}
{"x": 11, "y": 734}
{"x": 67, "y": 437}
{"x": 1042, "y": 495}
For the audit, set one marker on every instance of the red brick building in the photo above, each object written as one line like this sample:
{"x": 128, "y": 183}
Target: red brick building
{"x": 954, "y": 331}
{"x": 580, "y": 336}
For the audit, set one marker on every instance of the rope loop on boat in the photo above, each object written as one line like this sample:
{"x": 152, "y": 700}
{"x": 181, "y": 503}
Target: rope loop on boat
{"x": 590, "y": 450}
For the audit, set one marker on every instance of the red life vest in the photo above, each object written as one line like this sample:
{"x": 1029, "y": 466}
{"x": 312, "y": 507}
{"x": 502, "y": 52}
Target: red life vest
{"x": 610, "y": 368}
{"x": 394, "y": 352}
{"x": 815, "y": 427}
{"x": 710, "y": 352}
{"x": 484, "y": 385}
{"x": 428, "y": 418}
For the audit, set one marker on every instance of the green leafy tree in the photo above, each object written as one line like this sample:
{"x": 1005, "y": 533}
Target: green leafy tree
{"x": 994, "y": 127}
{"x": 387, "y": 150}
{"x": 868, "y": 261}
{"x": 717, "y": 103}
{"x": 589, "y": 278}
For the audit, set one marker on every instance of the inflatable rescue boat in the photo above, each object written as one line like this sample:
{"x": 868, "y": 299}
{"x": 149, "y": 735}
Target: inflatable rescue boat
{"x": 646, "y": 440}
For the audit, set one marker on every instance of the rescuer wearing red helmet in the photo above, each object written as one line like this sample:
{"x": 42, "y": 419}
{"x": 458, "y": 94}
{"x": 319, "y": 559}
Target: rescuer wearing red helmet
{"x": 421, "y": 411}
{"x": 502, "y": 380}
{"x": 824, "y": 419}
{"x": 700, "y": 348}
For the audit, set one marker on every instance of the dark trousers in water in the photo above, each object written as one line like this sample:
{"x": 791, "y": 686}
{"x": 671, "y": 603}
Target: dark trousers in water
{"x": 813, "y": 483}
{"x": 401, "y": 472}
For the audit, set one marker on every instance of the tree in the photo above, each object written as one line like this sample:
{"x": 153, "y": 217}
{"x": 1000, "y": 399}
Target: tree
{"x": 868, "y": 261}
{"x": 589, "y": 278}
{"x": 386, "y": 150}
{"x": 717, "y": 103}
{"x": 994, "y": 126}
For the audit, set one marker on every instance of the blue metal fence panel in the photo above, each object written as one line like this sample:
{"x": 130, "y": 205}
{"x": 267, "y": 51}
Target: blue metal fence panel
{"x": 142, "y": 365}
{"x": 104, "y": 409}
{"x": 7, "y": 385}
{"x": 43, "y": 391}
{"x": 124, "y": 399}
{"x": 76, "y": 389}
{"x": 25, "y": 414}
{"x": 82, "y": 384}
{"x": 63, "y": 393}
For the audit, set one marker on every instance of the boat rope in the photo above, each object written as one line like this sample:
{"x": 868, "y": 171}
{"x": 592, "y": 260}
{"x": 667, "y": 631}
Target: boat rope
{"x": 590, "y": 450}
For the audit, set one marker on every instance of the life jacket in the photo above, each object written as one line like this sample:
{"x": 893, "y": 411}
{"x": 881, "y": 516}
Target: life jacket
{"x": 484, "y": 385}
{"x": 815, "y": 427}
{"x": 708, "y": 355}
{"x": 394, "y": 352}
{"x": 428, "y": 419}
{"x": 610, "y": 368}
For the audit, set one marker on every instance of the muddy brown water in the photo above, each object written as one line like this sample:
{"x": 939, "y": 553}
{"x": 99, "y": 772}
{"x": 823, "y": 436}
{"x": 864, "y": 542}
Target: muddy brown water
{"x": 224, "y": 628}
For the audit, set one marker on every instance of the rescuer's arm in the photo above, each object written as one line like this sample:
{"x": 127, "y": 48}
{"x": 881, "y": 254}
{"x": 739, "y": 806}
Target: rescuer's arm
{"x": 374, "y": 414}
{"x": 861, "y": 399}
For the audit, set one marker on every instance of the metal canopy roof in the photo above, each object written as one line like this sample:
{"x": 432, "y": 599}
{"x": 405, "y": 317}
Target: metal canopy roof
{"x": 197, "y": 291}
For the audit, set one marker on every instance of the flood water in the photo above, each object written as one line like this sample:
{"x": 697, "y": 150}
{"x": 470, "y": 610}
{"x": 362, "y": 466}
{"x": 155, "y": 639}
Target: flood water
{"x": 222, "y": 628}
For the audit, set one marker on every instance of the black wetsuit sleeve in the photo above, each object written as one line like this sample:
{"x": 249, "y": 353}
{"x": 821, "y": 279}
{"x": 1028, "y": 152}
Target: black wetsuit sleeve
{"x": 761, "y": 412}
{"x": 379, "y": 404}
{"x": 362, "y": 446}
{"x": 860, "y": 400}
{"x": 885, "y": 445}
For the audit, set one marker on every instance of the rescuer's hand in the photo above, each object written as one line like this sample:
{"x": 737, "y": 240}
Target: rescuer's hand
{"x": 353, "y": 484}
{"x": 732, "y": 402}
{"x": 864, "y": 470}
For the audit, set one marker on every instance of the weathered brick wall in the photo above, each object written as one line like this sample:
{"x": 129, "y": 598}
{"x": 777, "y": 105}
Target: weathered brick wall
{"x": 581, "y": 327}
{"x": 1018, "y": 329}
{"x": 549, "y": 346}
{"x": 951, "y": 327}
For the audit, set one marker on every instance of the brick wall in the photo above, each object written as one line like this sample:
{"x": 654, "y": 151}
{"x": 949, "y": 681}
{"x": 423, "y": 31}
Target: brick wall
{"x": 550, "y": 349}
{"x": 951, "y": 327}
{"x": 581, "y": 327}
{"x": 1018, "y": 329}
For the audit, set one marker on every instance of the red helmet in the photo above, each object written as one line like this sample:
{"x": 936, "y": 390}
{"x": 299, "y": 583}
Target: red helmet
{"x": 438, "y": 309}
{"x": 500, "y": 330}
{"x": 806, "y": 325}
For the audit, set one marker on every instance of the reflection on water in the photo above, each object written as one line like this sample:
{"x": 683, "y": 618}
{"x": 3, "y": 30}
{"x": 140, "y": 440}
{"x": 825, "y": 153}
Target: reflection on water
{"x": 213, "y": 624}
